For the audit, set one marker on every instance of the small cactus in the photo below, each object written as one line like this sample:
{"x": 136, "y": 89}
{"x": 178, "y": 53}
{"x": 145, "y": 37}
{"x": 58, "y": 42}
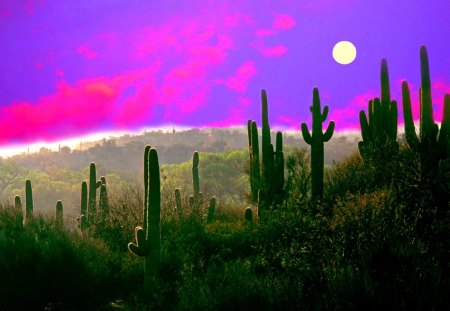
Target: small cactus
{"x": 211, "y": 210}
{"x": 59, "y": 214}
{"x": 178, "y": 205}
{"x": 248, "y": 215}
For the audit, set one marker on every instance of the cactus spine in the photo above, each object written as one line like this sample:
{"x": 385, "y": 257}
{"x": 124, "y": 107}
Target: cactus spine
{"x": 316, "y": 140}
{"x": 59, "y": 214}
{"x": 266, "y": 182}
{"x": 148, "y": 237}
{"x": 379, "y": 126}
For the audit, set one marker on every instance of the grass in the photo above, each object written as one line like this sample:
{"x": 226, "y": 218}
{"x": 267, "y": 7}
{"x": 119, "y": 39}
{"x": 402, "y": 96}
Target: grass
{"x": 368, "y": 246}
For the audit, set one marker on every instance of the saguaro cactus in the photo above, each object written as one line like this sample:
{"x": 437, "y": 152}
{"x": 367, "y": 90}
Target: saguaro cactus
{"x": 59, "y": 214}
{"x": 178, "y": 205}
{"x": 432, "y": 142}
{"x": 255, "y": 173}
{"x": 28, "y": 202}
{"x": 198, "y": 197}
{"x": 148, "y": 237}
{"x": 317, "y": 140}
{"x": 93, "y": 186}
{"x": 211, "y": 210}
{"x": 379, "y": 126}
{"x": 268, "y": 180}
{"x": 17, "y": 203}
{"x": 103, "y": 201}
{"x": 84, "y": 217}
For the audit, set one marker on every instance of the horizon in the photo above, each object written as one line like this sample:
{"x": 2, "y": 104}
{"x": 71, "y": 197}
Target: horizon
{"x": 73, "y": 70}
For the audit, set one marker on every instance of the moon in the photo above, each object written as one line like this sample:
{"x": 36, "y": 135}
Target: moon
{"x": 344, "y": 52}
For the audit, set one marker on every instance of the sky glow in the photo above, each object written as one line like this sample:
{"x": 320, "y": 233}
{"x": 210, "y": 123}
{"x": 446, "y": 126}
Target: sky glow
{"x": 74, "y": 68}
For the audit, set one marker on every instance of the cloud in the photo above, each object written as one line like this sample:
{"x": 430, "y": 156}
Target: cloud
{"x": 274, "y": 51}
{"x": 86, "y": 52}
{"x": 283, "y": 22}
{"x": 239, "y": 81}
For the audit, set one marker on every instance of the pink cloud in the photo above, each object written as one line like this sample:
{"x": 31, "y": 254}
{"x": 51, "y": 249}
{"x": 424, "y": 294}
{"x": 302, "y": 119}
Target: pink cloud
{"x": 86, "y": 52}
{"x": 236, "y": 117}
{"x": 239, "y": 81}
{"x": 72, "y": 109}
{"x": 283, "y": 22}
{"x": 274, "y": 51}
{"x": 264, "y": 32}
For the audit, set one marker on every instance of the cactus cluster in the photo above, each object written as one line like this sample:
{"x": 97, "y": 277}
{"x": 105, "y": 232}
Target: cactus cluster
{"x": 88, "y": 210}
{"x": 316, "y": 140}
{"x": 379, "y": 126}
{"x": 266, "y": 180}
{"x": 148, "y": 237}
{"x": 433, "y": 142}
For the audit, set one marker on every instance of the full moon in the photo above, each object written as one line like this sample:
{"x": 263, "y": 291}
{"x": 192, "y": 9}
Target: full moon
{"x": 344, "y": 52}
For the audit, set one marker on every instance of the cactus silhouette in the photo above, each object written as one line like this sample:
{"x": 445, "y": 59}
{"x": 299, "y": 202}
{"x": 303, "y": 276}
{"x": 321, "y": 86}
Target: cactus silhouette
{"x": 211, "y": 210}
{"x": 17, "y": 203}
{"x": 267, "y": 180}
{"x": 198, "y": 196}
{"x": 84, "y": 217}
{"x": 59, "y": 214}
{"x": 103, "y": 201}
{"x": 178, "y": 205}
{"x": 28, "y": 202}
{"x": 148, "y": 237}
{"x": 317, "y": 140}
{"x": 248, "y": 215}
{"x": 379, "y": 127}
{"x": 432, "y": 144}
{"x": 253, "y": 145}
{"x": 93, "y": 186}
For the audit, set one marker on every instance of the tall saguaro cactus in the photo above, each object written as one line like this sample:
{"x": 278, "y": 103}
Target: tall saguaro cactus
{"x": 198, "y": 197}
{"x": 28, "y": 202}
{"x": 432, "y": 142}
{"x": 379, "y": 126}
{"x": 148, "y": 237}
{"x": 267, "y": 180}
{"x": 317, "y": 140}
{"x": 93, "y": 186}
{"x": 83, "y": 219}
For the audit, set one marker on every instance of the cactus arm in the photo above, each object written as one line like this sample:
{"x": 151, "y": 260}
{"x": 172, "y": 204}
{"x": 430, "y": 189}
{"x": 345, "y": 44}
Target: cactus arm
{"x": 410, "y": 129}
{"x": 329, "y": 132}
{"x": 393, "y": 119}
{"x": 325, "y": 113}
{"x": 140, "y": 248}
{"x": 444, "y": 134}
{"x": 364, "y": 124}
{"x": 306, "y": 135}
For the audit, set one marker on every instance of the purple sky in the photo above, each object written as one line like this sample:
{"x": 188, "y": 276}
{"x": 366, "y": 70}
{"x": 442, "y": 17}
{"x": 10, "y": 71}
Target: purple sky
{"x": 72, "y": 68}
